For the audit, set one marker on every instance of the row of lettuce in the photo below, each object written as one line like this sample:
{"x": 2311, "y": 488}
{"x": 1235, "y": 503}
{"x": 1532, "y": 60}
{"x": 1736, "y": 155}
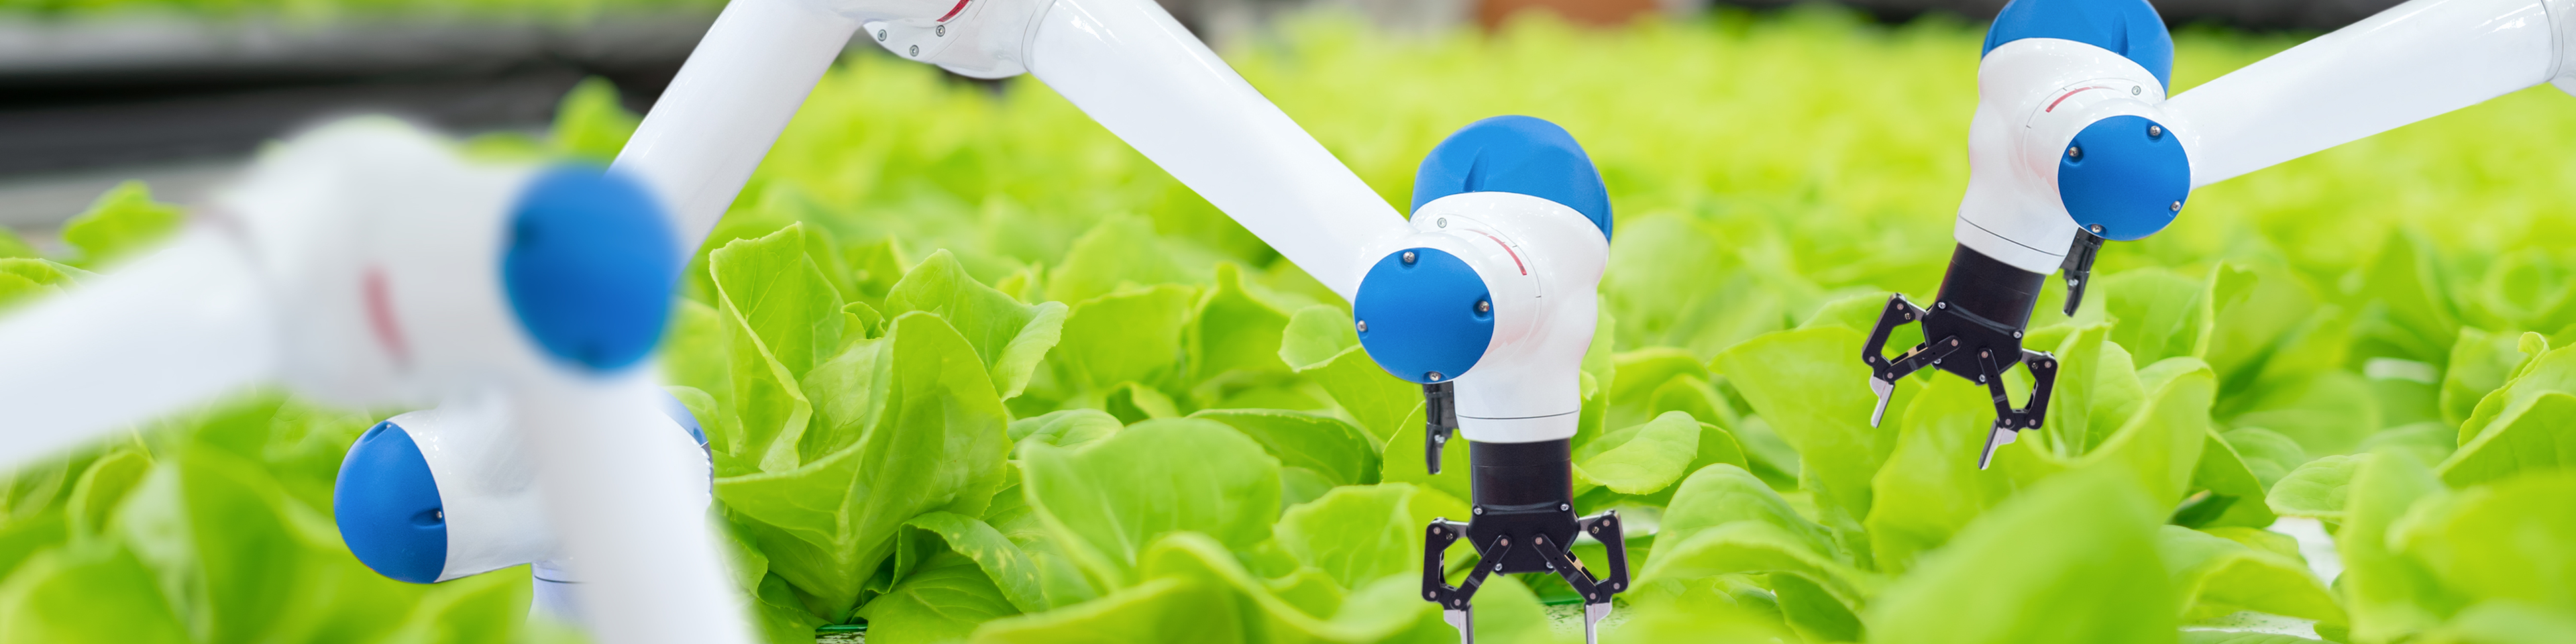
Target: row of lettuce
{"x": 977, "y": 372}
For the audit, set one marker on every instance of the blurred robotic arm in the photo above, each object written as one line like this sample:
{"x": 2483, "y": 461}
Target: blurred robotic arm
{"x": 365, "y": 263}
{"x": 2074, "y": 143}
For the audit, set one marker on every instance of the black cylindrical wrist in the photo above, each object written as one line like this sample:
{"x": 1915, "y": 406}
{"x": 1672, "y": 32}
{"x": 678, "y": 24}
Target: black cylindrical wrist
{"x": 1990, "y": 289}
{"x": 1521, "y": 474}
{"x": 1523, "y": 492}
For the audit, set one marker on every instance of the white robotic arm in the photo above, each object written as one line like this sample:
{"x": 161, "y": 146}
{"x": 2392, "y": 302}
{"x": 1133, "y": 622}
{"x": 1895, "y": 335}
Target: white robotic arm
{"x": 2414, "y": 61}
{"x": 2074, "y": 143}
{"x": 1486, "y": 298}
{"x": 367, "y": 264}
{"x": 1124, "y": 62}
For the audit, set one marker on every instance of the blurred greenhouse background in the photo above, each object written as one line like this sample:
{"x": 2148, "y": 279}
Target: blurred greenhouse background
{"x": 176, "y": 92}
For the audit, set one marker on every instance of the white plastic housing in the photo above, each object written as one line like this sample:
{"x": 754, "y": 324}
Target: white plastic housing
{"x": 1140, "y": 74}
{"x": 487, "y": 487}
{"x": 2409, "y": 63}
{"x": 630, "y": 508}
{"x": 728, "y": 104}
{"x": 2033, "y": 96}
{"x": 1542, "y": 263}
{"x": 1126, "y": 63}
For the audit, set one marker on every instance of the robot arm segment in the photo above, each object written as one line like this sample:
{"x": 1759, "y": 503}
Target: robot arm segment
{"x": 1124, "y": 62}
{"x": 171, "y": 329}
{"x": 729, "y": 103}
{"x": 649, "y": 564}
{"x": 1140, "y": 74}
{"x": 2412, "y": 62}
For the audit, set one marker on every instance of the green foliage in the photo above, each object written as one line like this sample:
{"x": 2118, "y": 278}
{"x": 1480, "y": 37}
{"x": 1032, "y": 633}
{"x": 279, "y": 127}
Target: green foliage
{"x": 119, "y": 223}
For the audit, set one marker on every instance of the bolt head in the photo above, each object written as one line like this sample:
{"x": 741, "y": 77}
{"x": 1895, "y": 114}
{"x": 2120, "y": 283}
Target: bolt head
{"x": 2016, "y": 334}
{"x": 942, "y": 30}
{"x": 1443, "y": 222}
{"x": 1985, "y": 354}
{"x": 1596, "y": 529}
{"x": 1484, "y": 306}
{"x": 2155, "y": 130}
{"x": 1432, "y": 595}
{"x": 2097, "y": 229}
{"x": 2073, "y": 152}
{"x": 1564, "y": 507}
{"x": 2071, "y": 282}
{"x": 1940, "y": 305}
{"x": 2134, "y": 90}
{"x": 1954, "y": 342}
{"x": 2177, "y": 206}
{"x": 1498, "y": 567}
{"x": 1433, "y": 376}
{"x": 1542, "y": 539}
{"x": 1363, "y": 326}
{"x": 881, "y": 35}
{"x": 1408, "y": 258}
{"x": 916, "y": 50}
{"x": 1479, "y": 511}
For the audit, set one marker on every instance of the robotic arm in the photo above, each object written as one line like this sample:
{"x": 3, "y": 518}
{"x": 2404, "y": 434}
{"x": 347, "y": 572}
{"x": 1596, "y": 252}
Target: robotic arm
{"x": 1486, "y": 298}
{"x": 2074, "y": 143}
{"x": 1489, "y": 305}
{"x": 365, "y": 263}
{"x": 1124, "y": 62}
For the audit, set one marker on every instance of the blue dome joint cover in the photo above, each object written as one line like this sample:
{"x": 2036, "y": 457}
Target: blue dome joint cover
{"x": 591, "y": 266}
{"x": 1515, "y": 154}
{"x": 2124, "y": 178}
{"x": 1422, "y": 320}
{"x": 388, "y": 508}
{"x": 2129, "y": 28}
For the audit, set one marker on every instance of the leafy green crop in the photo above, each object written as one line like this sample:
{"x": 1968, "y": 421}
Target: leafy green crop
{"x": 976, "y": 371}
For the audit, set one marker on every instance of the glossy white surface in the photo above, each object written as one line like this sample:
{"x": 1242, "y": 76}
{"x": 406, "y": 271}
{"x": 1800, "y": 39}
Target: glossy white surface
{"x": 1136, "y": 71}
{"x": 2409, "y": 63}
{"x": 486, "y": 485}
{"x": 2033, "y": 96}
{"x": 1542, "y": 263}
{"x": 726, "y": 107}
{"x": 630, "y": 512}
